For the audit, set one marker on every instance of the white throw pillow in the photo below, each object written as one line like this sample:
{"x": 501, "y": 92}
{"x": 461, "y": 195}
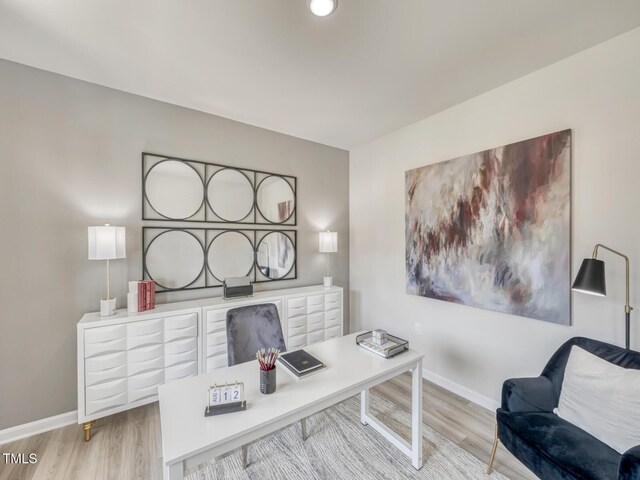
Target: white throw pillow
{"x": 602, "y": 399}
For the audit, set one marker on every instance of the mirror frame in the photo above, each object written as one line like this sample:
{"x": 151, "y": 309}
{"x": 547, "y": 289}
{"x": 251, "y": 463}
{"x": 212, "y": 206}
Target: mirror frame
{"x": 206, "y": 171}
{"x": 205, "y": 237}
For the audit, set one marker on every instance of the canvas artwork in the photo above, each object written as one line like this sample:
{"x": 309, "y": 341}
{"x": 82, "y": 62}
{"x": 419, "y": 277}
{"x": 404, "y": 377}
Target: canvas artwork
{"x": 493, "y": 229}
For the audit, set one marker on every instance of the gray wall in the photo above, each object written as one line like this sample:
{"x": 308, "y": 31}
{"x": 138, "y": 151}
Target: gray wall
{"x": 70, "y": 158}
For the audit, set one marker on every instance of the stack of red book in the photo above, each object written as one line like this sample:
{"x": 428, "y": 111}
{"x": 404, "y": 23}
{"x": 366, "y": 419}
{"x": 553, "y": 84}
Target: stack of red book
{"x": 146, "y": 295}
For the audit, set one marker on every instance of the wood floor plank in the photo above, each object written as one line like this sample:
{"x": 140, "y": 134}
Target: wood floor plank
{"x": 128, "y": 445}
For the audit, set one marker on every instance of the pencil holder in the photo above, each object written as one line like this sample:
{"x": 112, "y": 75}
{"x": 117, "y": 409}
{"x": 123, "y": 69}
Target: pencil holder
{"x": 268, "y": 381}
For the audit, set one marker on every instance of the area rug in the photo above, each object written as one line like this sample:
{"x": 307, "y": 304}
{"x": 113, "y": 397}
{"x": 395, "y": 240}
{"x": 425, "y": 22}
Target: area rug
{"x": 340, "y": 447}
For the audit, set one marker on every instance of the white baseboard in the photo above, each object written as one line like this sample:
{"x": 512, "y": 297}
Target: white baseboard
{"x": 458, "y": 389}
{"x": 39, "y": 426}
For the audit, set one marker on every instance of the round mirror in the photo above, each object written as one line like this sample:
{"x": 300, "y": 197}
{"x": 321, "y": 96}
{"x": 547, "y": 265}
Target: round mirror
{"x": 276, "y": 255}
{"x": 275, "y": 199}
{"x": 230, "y": 255}
{"x": 175, "y": 259}
{"x": 230, "y": 195}
{"x": 174, "y": 189}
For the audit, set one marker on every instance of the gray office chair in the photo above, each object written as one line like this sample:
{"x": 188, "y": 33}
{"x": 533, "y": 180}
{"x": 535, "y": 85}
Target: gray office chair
{"x": 249, "y": 329}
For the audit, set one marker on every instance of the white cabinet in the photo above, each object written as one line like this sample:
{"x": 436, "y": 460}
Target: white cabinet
{"x": 122, "y": 359}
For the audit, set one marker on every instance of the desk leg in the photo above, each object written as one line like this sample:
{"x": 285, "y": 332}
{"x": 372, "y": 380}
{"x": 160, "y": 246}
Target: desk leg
{"x": 174, "y": 471}
{"x": 364, "y": 406}
{"x": 416, "y": 416}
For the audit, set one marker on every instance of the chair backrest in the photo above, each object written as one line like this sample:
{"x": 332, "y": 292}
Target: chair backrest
{"x": 251, "y": 328}
{"x": 554, "y": 370}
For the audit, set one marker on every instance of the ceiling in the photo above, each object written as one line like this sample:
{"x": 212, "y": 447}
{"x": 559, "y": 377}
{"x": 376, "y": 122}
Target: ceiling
{"x": 370, "y": 68}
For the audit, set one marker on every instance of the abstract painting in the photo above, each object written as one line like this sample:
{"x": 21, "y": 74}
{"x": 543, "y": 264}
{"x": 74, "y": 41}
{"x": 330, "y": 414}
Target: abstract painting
{"x": 493, "y": 229}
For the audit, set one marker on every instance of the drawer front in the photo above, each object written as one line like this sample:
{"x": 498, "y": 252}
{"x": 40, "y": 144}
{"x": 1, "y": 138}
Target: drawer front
{"x": 148, "y": 339}
{"x": 217, "y": 315}
{"x": 107, "y": 375}
{"x": 181, "y": 346}
{"x": 332, "y": 318}
{"x": 144, "y": 380}
{"x": 297, "y": 341}
{"x": 219, "y": 361}
{"x": 178, "y": 358}
{"x": 315, "y": 321}
{"x": 296, "y": 307}
{"x": 176, "y": 322}
{"x": 145, "y": 328}
{"x": 315, "y": 337}
{"x": 332, "y": 332}
{"x": 105, "y": 362}
{"x": 216, "y": 326}
{"x": 101, "y": 348}
{"x": 297, "y": 322}
{"x": 298, "y": 330}
{"x": 95, "y": 406}
{"x": 180, "y": 333}
{"x": 315, "y": 303}
{"x": 135, "y": 368}
{"x": 220, "y": 349}
{"x": 181, "y": 371}
{"x": 143, "y": 354}
{"x": 104, "y": 334}
{"x": 332, "y": 300}
{"x": 106, "y": 390}
{"x": 142, "y": 393}
{"x": 214, "y": 339}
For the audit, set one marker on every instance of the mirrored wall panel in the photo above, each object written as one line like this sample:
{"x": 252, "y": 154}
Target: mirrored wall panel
{"x": 195, "y": 191}
{"x": 192, "y": 258}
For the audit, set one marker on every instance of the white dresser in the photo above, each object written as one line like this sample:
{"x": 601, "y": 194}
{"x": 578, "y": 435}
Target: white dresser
{"x": 122, "y": 359}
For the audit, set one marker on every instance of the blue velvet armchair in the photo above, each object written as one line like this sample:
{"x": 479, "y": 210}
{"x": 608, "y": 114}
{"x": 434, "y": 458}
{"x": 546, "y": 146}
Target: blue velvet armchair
{"x": 549, "y": 446}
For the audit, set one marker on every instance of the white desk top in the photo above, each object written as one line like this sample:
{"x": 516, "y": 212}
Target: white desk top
{"x": 186, "y": 431}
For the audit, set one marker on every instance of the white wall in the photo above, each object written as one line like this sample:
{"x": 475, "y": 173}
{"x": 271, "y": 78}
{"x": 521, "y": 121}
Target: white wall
{"x": 469, "y": 350}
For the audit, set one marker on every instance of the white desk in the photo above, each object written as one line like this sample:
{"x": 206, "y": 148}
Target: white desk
{"x": 189, "y": 438}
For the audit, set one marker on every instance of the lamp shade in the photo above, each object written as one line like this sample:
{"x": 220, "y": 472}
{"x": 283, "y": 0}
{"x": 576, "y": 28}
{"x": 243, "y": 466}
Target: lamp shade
{"x": 590, "y": 278}
{"x": 328, "y": 242}
{"x": 106, "y": 243}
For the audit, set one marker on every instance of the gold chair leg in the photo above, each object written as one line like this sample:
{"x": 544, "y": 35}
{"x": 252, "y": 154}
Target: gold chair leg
{"x": 493, "y": 452}
{"x": 245, "y": 455}
{"x": 305, "y": 435}
{"x": 86, "y": 426}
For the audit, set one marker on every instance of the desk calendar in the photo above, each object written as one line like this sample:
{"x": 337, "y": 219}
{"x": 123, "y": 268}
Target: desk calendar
{"x": 226, "y": 398}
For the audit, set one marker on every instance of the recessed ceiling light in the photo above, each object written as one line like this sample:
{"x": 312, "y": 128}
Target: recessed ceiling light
{"x": 322, "y": 8}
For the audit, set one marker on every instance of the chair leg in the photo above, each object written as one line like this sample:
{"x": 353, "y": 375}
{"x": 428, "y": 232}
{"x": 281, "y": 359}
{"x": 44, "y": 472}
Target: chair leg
{"x": 245, "y": 455}
{"x": 493, "y": 452}
{"x": 305, "y": 435}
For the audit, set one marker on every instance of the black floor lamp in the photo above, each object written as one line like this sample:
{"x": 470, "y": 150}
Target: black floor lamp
{"x": 591, "y": 279}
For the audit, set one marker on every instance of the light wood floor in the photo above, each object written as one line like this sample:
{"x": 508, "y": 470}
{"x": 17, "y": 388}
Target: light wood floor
{"x": 127, "y": 445}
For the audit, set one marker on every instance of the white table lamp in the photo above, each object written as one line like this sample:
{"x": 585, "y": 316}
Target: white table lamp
{"x": 107, "y": 243}
{"x": 328, "y": 244}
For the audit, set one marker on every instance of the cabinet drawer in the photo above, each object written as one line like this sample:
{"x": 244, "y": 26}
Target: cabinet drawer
{"x": 109, "y": 374}
{"x": 181, "y": 371}
{"x": 297, "y": 330}
{"x": 143, "y": 354}
{"x": 144, "y": 380}
{"x": 178, "y": 358}
{"x": 218, "y": 361}
{"x": 181, "y": 346}
{"x": 297, "y": 341}
{"x": 146, "y": 366}
{"x": 146, "y": 327}
{"x": 177, "y": 322}
{"x": 179, "y": 333}
{"x": 297, "y": 322}
{"x": 105, "y": 362}
{"x": 332, "y": 300}
{"x": 219, "y": 338}
{"x": 315, "y": 337}
{"x": 95, "y": 406}
{"x": 315, "y": 321}
{"x": 220, "y": 349}
{"x": 332, "y": 318}
{"x": 137, "y": 341}
{"x": 217, "y": 315}
{"x": 142, "y": 393}
{"x": 332, "y": 332}
{"x": 296, "y": 306}
{"x": 215, "y": 326}
{"x": 111, "y": 346}
{"x": 315, "y": 303}
{"x": 106, "y": 390}
{"x": 104, "y": 334}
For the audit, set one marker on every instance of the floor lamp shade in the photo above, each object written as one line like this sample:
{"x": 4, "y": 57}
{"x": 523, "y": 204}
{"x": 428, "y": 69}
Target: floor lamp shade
{"x": 106, "y": 243}
{"x": 590, "y": 278}
{"x": 328, "y": 242}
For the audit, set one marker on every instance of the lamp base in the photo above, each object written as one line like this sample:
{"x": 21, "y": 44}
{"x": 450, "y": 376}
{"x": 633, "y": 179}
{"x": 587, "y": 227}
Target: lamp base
{"x": 107, "y": 307}
{"x": 328, "y": 282}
